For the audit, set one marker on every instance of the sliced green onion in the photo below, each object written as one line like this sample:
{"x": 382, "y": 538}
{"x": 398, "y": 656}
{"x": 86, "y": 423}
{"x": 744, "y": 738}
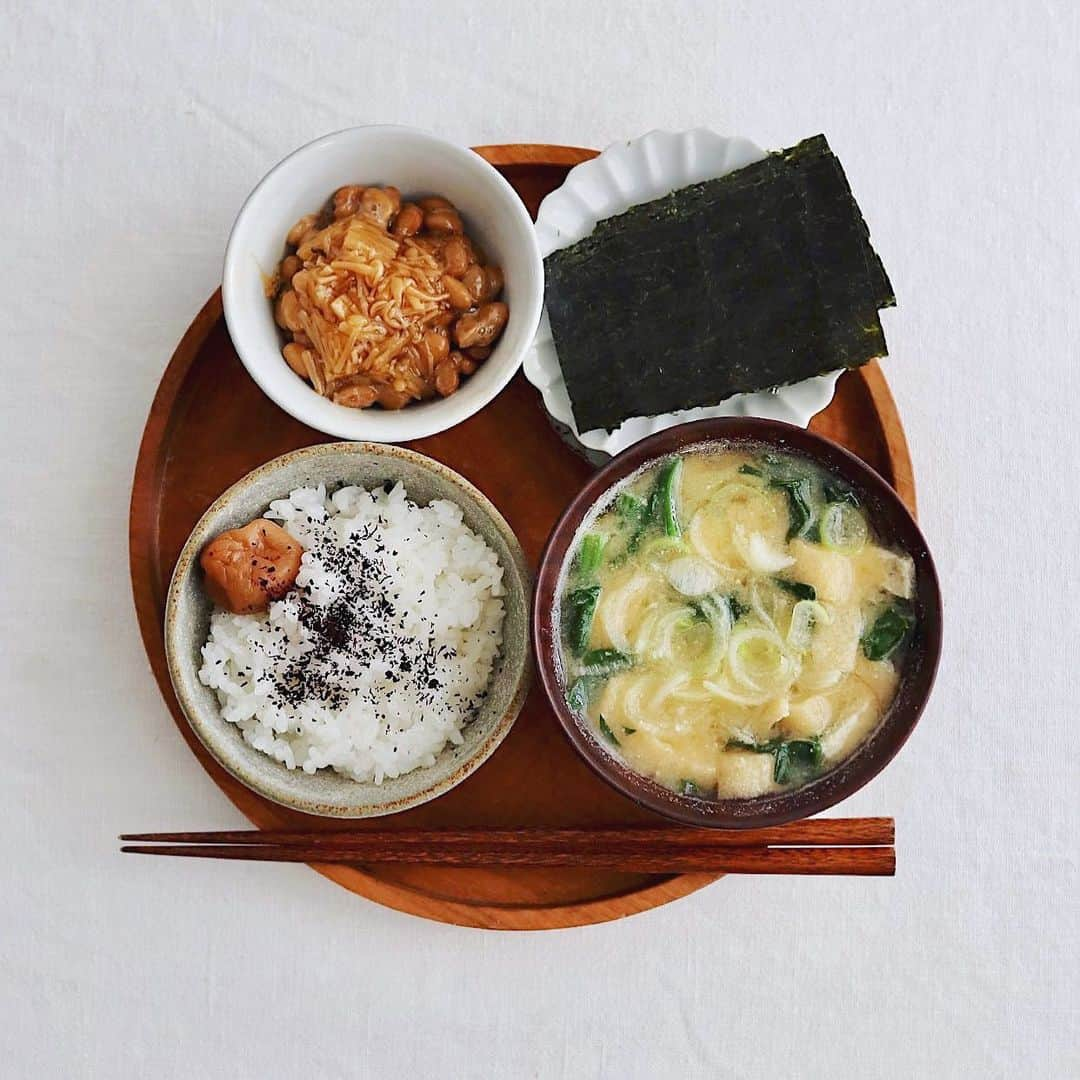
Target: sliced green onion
{"x": 719, "y": 610}
{"x": 804, "y": 617}
{"x": 716, "y": 611}
{"x": 663, "y": 545}
{"x": 691, "y": 575}
{"x": 657, "y": 640}
{"x": 758, "y": 553}
{"x": 757, "y": 607}
{"x": 756, "y": 658}
{"x": 843, "y": 528}
{"x": 725, "y": 693}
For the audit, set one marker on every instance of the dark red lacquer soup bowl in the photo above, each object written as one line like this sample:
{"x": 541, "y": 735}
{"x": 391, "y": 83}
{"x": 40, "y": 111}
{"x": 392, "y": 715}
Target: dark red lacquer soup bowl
{"x": 894, "y": 527}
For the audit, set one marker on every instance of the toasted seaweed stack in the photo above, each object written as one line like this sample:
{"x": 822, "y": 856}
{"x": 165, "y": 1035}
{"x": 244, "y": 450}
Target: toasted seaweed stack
{"x": 756, "y": 279}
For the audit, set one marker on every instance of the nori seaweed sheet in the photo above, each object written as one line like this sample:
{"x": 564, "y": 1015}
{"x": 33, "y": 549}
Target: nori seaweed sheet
{"x": 759, "y": 278}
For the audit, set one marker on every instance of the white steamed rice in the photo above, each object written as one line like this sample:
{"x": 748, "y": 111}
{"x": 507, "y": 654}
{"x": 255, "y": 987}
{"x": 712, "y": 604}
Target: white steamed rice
{"x": 381, "y": 653}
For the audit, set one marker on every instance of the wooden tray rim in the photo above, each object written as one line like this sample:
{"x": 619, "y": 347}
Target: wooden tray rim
{"x": 142, "y": 541}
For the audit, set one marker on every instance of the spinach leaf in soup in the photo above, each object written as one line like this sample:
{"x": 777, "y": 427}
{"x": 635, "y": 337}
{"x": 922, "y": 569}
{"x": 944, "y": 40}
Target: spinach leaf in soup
{"x": 631, "y": 509}
{"x": 797, "y": 760}
{"x": 737, "y": 608}
{"x": 799, "y": 589}
{"x": 581, "y": 691}
{"x": 634, "y": 516}
{"x": 590, "y": 554}
{"x": 665, "y": 498}
{"x": 836, "y": 491}
{"x": 800, "y": 499}
{"x": 606, "y": 731}
{"x": 713, "y": 607}
{"x": 888, "y": 631}
{"x": 783, "y": 468}
{"x": 800, "y": 484}
{"x": 603, "y": 662}
{"x": 578, "y": 615}
{"x": 793, "y": 759}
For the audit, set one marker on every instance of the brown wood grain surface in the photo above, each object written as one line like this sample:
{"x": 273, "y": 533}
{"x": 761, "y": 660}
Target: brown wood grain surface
{"x": 819, "y": 832}
{"x": 816, "y": 846}
{"x": 640, "y": 858}
{"x": 209, "y": 424}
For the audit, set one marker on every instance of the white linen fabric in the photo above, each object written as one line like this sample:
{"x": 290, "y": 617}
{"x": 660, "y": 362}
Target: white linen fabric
{"x": 129, "y": 136}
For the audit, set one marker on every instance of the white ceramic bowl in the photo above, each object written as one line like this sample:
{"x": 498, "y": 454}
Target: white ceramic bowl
{"x": 419, "y": 164}
{"x": 625, "y": 174}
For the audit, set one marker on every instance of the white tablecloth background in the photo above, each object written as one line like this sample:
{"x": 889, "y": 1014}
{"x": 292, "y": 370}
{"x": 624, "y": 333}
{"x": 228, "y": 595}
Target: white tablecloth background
{"x": 130, "y": 135}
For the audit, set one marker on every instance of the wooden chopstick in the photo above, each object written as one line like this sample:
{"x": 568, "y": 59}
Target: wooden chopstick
{"x": 867, "y": 861}
{"x": 825, "y": 846}
{"x": 839, "y": 832}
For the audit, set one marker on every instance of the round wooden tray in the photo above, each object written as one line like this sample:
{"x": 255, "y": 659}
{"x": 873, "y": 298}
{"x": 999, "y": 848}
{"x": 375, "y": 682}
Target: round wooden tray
{"x": 210, "y": 424}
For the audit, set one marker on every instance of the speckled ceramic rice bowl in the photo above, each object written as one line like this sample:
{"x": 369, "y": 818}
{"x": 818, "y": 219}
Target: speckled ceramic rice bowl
{"x": 333, "y": 736}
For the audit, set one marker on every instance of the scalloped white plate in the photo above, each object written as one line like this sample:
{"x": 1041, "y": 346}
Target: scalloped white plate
{"x": 625, "y": 174}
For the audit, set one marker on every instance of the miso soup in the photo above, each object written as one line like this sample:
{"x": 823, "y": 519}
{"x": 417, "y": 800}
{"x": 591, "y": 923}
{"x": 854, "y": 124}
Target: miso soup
{"x": 731, "y": 625}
